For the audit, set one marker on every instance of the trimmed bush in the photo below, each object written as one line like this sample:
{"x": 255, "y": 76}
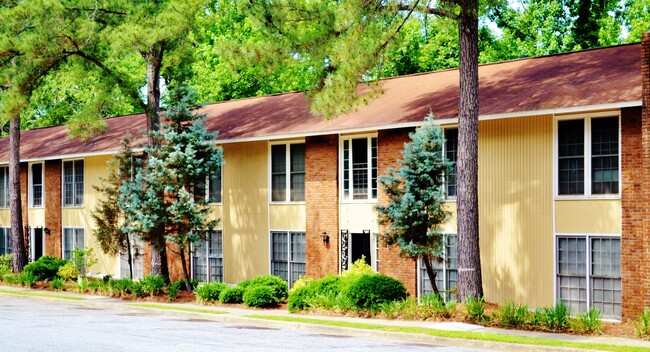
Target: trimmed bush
{"x": 172, "y": 290}
{"x": 68, "y": 272}
{"x": 45, "y": 268}
{"x": 152, "y": 284}
{"x": 260, "y": 296}
{"x": 209, "y": 292}
{"x": 370, "y": 291}
{"x": 120, "y": 287}
{"x": 183, "y": 287}
{"x": 232, "y": 295}
{"x": 278, "y": 286}
{"x": 302, "y": 295}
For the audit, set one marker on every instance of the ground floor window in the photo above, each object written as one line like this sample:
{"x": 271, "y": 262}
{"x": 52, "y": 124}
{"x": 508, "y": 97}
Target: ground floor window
{"x": 137, "y": 259}
{"x": 207, "y": 258}
{"x": 73, "y": 237}
{"x": 5, "y": 240}
{"x": 589, "y": 273}
{"x": 446, "y": 271}
{"x": 288, "y": 255}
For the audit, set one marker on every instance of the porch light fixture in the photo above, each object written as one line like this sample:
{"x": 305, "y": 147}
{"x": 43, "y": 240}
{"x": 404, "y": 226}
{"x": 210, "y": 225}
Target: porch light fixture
{"x": 325, "y": 237}
{"x": 47, "y": 231}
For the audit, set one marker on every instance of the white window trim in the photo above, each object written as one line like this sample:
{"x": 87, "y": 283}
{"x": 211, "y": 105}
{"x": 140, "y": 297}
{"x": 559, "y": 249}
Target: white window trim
{"x": 368, "y": 136}
{"x": 83, "y": 199}
{"x": 289, "y": 261}
{"x": 30, "y": 184}
{"x": 287, "y": 189}
{"x": 444, "y": 154}
{"x": 223, "y": 261}
{"x": 587, "y": 237}
{"x": 587, "y": 157}
{"x": 63, "y": 238}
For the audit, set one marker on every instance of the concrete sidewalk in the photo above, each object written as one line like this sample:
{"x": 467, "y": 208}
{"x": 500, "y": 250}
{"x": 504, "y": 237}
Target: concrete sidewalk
{"x": 242, "y": 316}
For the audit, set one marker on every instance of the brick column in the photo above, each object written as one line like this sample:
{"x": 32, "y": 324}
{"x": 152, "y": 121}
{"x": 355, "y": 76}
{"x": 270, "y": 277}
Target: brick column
{"x": 322, "y": 204}
{"x": 389, "y": 149}
{"x": 24, "y": 201}
{"x": 52, "y": 190}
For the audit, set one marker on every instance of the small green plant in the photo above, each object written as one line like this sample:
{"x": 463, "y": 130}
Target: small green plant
{"x": 588, "y": 322}
{"x": 232, "y": 295}
{"x": 45, "y": 268}
{"x": 152, "y": 284}
{"x": 82, "y": 284}
{"x": 28, "y": 279}
{"x": 120, "y": 287}
{"x": 512, "y": 315}
{"x": 209, "y": 292}
{"x": 303, "y": 296}
{"x": 57, "y": 284}
{"x": 395, "y": 309}
{"x": 12, "y": 279}
{"x": 557, "y": 318}
{"x": 68, "y": 272}
{"x": 182, "y": 286}
{"x": 5, "y": 265}
{"x": 259, "y": 296}
{"x": 358, "y": 268}
{"x": 137, "y": 289}
{"x": 278, "y": 286}
{"x": 83, "y": 259}
{"x": 438, "y": 305}
{"x": 642, "y": 325}
{"x": 476, "y": 310}
{"x": 172, "y": 290}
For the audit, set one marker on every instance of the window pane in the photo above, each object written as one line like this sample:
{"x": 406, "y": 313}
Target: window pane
{"x": 346, "y": 169}
{"x": 606, "y": 276}
{"x": 278, "y": 173}
{"x": 571, "y": 157}
{"x": 280, "y": 243}
{"x": 360, "y": 168}
{"x": 79, "y": 181}
{"x": 297, "y": 172}
{"x": 4, "y": 187}
{"x": 214, "y": 195}
{"x": 68, "y": 183}
{"x": 604, "y": 150}
{"x": 37, "y": 185}
{"x": 373, "y": 153}
{"x": 572, "y": 270}
{"x": 451, "y": 153}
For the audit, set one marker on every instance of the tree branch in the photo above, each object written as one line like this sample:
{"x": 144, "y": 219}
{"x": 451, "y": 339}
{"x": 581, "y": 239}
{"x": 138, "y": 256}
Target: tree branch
{"x": 429, "y": 10}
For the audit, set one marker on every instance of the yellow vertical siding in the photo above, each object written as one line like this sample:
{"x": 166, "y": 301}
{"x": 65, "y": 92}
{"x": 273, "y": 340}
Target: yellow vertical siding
{"x": 287, "y": 217}
{"x": 588, "y": 216}
{"x": 357, "y": 217}
{"x": 5, "y": 218}
{"x": 515, "y": 202}
{"x": 246, "y": 211}
{"x": 36, "y": 217}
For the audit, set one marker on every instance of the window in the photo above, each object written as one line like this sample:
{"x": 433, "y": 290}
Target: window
{"x": 451, "y": 154}
{"x": 288, "y": 255}
{"x": 73, "y": 238}
{"x": 446, "y": 271}
{"x": 73, "y": 183}
{"x": 589, "y": 273}
{"x": 214, "y": 187}
{"x": 4, "y": 186}
{"x": 288, "y": 172}
{"x": 207, "y": 258}
{"x": 360, "y": 168}
{"x": 36, "y": 185}
{"x": 588, "y": 156}
{"x": 137, "y": 259}
{"x": 5, "y": 240}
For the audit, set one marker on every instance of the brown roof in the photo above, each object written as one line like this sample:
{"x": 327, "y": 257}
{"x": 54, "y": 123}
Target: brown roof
{"x": 586, "y": 78}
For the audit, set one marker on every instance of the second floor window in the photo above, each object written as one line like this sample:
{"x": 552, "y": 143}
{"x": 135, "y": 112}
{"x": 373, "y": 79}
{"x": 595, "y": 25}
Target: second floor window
{"x": 451, "y": 154}
{"x": 288, "y": 172}
{"x": 214, "y": 187}
{"x": 36, "y": 187}
{"x": 4, "y": 187}
{"x": 73, "y": 183}
{"x": 360, "y": 168}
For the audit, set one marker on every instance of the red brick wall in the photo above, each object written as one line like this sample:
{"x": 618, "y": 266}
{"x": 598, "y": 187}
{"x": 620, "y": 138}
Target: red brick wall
{"x": 389, "y": 148}
{"x": 23, "y": 196}
{"x": 322, "y": 204}
{"x": 52, "y": 189}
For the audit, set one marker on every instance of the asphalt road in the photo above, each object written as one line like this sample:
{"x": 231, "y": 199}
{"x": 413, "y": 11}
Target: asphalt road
{"x": 32, "y": 325}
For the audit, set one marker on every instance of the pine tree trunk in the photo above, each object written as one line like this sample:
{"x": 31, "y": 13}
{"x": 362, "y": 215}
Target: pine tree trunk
{"x": 469, "y": 255}
{"x": 18, "y": 250}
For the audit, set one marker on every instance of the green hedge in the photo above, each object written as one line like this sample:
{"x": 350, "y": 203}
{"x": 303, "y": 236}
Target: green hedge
{"x": 259, "y": 296}
{"x": 278, "y": 287}
{"x": 45, "y": 268}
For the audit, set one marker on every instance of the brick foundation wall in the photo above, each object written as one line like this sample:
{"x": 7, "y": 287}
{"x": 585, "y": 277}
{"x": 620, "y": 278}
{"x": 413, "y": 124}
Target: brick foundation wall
{"x": 322, "y": 204}
{"x": 389, "y": 148}
{"x": 52, "y": 189}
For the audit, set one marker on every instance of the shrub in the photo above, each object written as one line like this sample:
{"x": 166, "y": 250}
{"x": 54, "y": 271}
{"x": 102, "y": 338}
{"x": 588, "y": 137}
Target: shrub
{"x": 475, "y": 310}
{"x": 588, "y": 322}
{"x": 512, "y": 315}
{"x": 557, "y": 318}
{"x": 301, "y": 282}
{"x": 232, "y": 295}
{"x": 68, "y": 272}
{"x": 45, "y": 268}
{"x": 209, "y": 292}
{"x": 275, "y": 283}
{"x": 83, "y": 259}
{"x": 58, "y": 284}
{"x": 172, "y": 290}
{"x": 438, "y": 305}
{"x": 120, "y": 287}
{"x": 12, "y": 278}
{"x": 259, "y": 296}
{"x": 5, "y": 265}
{"x": 82, "y": 284}
{"x": 28, "y": 279}
{"x": 152, "y": 284}
{"x": 370, "y": 291}
{"x": 183, "y": 287}
{"x": 359, "y": 268}
{"x": 300, "y": 296}
{"x": 642, "y": 324}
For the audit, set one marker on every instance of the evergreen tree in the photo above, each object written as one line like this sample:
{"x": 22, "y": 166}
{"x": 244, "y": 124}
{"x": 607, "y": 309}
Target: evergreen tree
{"x": 183, "y": 158}
{"x": 416, "y": 195}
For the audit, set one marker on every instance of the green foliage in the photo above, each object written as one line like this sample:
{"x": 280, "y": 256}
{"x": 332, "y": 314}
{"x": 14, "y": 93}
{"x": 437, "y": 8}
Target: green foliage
{"x": 5, "y": 265}
{"x": 28, "y": 279}
{"x": 302, "y": 295}
{"x": 512, "y": 315}
{"x": 137, "y": 289}
{"x": 642, "y": 325}
{"x": 358, "y": 268}
{"x": 82, "y": 284}
{"x": 369, "y": 291}
{"x": 438, "y": 305}
{"x": 259, "y": 296}
{"x": 152, "y": 284}
{"x": 45, "y": 268}
{"x": 476, "y": 310}
{"x": 557, "y": 318}
{"x": 209, "y": 291}
{"x": 83, "y": 259}
{"x": 12, "y": 278}
{"x": 182, "y": 286}
{"x": 68, "y": 272}
{"x": 588, "y": 322}
{"x": 58, "y": 284}
{"x": 120, "y": 287}
{"x": 232, "y": 295}
{"x": 98, "y": 286}
{"x": 172, "y": 290}
{"x": 275, "y": 283}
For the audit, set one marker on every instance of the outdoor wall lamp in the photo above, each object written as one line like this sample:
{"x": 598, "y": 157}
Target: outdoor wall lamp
{"x": 47, "y": 231}
{"x": 325, "y": 237}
